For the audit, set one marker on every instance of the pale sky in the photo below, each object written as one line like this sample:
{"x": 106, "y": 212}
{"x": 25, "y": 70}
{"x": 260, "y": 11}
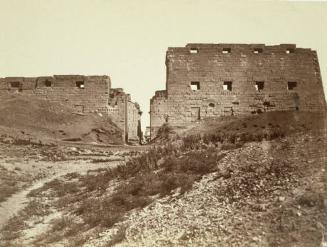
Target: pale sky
{"x": 127, "y": 39}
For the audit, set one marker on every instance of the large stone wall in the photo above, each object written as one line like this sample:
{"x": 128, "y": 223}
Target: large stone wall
{"x": 209, "y": 80}
{"x": 126, "y": 114}
{"x": 83, "y": 93}
{"x": 134, "y": 122}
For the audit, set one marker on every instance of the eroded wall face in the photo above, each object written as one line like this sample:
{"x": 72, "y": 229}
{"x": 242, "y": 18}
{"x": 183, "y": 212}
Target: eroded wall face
{"x": 209, "y": 80}
{"x": 159, "y": 111}
{"x": 133, "y": 120}
{"x": 83, "y": 93}
{"x": 125, "y": 114}
{"x": 117, "y": 109}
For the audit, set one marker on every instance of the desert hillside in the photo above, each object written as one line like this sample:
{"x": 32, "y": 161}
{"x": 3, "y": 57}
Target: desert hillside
{"x": 27, "y": 119}
{"x": 242, "y": 181}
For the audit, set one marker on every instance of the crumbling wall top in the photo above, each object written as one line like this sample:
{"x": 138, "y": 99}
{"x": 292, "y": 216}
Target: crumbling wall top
{"x": 57, "y": 78}
{"x": 194, "y": 48}
{"x": 101, "y": 83}
{"x": 160, "y": 94}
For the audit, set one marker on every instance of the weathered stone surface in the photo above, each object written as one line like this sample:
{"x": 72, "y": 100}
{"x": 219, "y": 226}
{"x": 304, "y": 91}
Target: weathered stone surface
{"x": 210, "y": 80}
{"x": 125, "y": 113}
{"x": 83, "y": 93}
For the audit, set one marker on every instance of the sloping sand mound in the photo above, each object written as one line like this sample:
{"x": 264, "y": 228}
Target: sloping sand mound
{"x": 25, "y": 118}
{"x": 287, "y": 122}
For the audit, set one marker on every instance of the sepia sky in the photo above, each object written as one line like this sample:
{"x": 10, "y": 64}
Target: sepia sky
{"x": 127, "y": 39}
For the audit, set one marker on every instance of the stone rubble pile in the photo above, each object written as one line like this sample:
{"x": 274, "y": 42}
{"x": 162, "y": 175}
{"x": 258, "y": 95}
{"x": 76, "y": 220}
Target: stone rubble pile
{"x": 218, "y": 211}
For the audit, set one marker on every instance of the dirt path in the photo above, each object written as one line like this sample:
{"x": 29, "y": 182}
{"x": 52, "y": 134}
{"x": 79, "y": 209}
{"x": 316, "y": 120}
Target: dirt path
{"x": 18, "y": 201}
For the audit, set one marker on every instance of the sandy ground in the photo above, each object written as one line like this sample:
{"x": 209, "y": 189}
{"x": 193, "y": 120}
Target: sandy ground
{"x": 288, "y": 211}
{"x": 16, "y": 202}
{"x": 26, "y": 166}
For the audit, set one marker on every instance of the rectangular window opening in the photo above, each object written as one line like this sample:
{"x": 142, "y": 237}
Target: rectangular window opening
{"x": 15, "y": 84}
{"x": 227, "y": 86}
{"x": 226, "y": 50}
{"x": 48, "y": 83}
{"x": 80, "y": 84}
{"x": 289, "y": 50}
{"x": 291, "y": 85}
{"x": 259, "y": 85}
{"x": 194, "y": 50}
{"x": 195, "y": 85}
{"x": 257, "y": 50}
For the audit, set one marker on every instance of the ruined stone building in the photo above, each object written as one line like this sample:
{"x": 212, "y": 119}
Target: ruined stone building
{"x": 85, "y": 94}
{"x": 126, "y": 114}
{"x": 211, "y": 80}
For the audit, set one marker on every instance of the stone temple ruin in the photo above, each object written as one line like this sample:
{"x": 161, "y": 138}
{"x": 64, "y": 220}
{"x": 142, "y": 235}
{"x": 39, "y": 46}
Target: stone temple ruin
{"x": 211, "y": 80}
{"x": 83, "y": 93}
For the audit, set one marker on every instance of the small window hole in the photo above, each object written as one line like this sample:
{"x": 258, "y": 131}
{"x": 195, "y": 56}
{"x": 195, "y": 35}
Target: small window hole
{"x": 257, "y": 50}
{"x": 194, "y": 50}
{"x": 48, "y": 83}
{"x": 226, "y": 50}
{"x": 289, "y": 50}
{"x": 80, "y": 84}
{"x": 15, "y": 84}
{"x": 259, "y": 85}
{"x": 291, "y": 85}
{"x": 195, "y": 85}
{"x": 227, "y": 86}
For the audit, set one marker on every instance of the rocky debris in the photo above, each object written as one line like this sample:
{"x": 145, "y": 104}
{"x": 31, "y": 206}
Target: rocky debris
{"x": 7, "y": 140}
{"x": 250, "y": 201}
{"x": 270, "y": 193}
{"x": 54, "y": 152}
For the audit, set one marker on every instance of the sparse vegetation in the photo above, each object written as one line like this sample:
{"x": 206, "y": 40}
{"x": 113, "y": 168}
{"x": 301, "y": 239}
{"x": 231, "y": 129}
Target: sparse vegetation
{"x": 7, "y": 190}
{"x": 10, "y": 182}
{"x": 12, "y": 230}
{"x": 150, "y": 175}
{"x": 102, "y": 198}
{"x": 164, "y": 132}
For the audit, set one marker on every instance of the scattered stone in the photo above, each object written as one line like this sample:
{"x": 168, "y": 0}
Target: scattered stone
{"x": 281, "y": 198}
{"x": 255, "y": 239}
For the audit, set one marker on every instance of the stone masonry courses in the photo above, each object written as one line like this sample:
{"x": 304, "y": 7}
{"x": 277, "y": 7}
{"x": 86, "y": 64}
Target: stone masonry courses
{"x": 211, "y": 80}
{"x": 85, "y": 94}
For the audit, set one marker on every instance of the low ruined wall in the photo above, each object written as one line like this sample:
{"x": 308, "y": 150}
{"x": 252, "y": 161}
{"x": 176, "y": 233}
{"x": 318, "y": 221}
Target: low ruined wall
{"x": 84, "y": 93}
{"x": 210, "y": 80}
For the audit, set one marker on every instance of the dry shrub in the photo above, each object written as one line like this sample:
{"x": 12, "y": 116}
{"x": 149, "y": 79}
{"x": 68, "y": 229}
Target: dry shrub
{"x": 144, "y": 177}
{"x": 7, "y": 190}
{"x": 61, "y": 223}
{"x": 164, "y": 132}
{"x": 13, "y": 228}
